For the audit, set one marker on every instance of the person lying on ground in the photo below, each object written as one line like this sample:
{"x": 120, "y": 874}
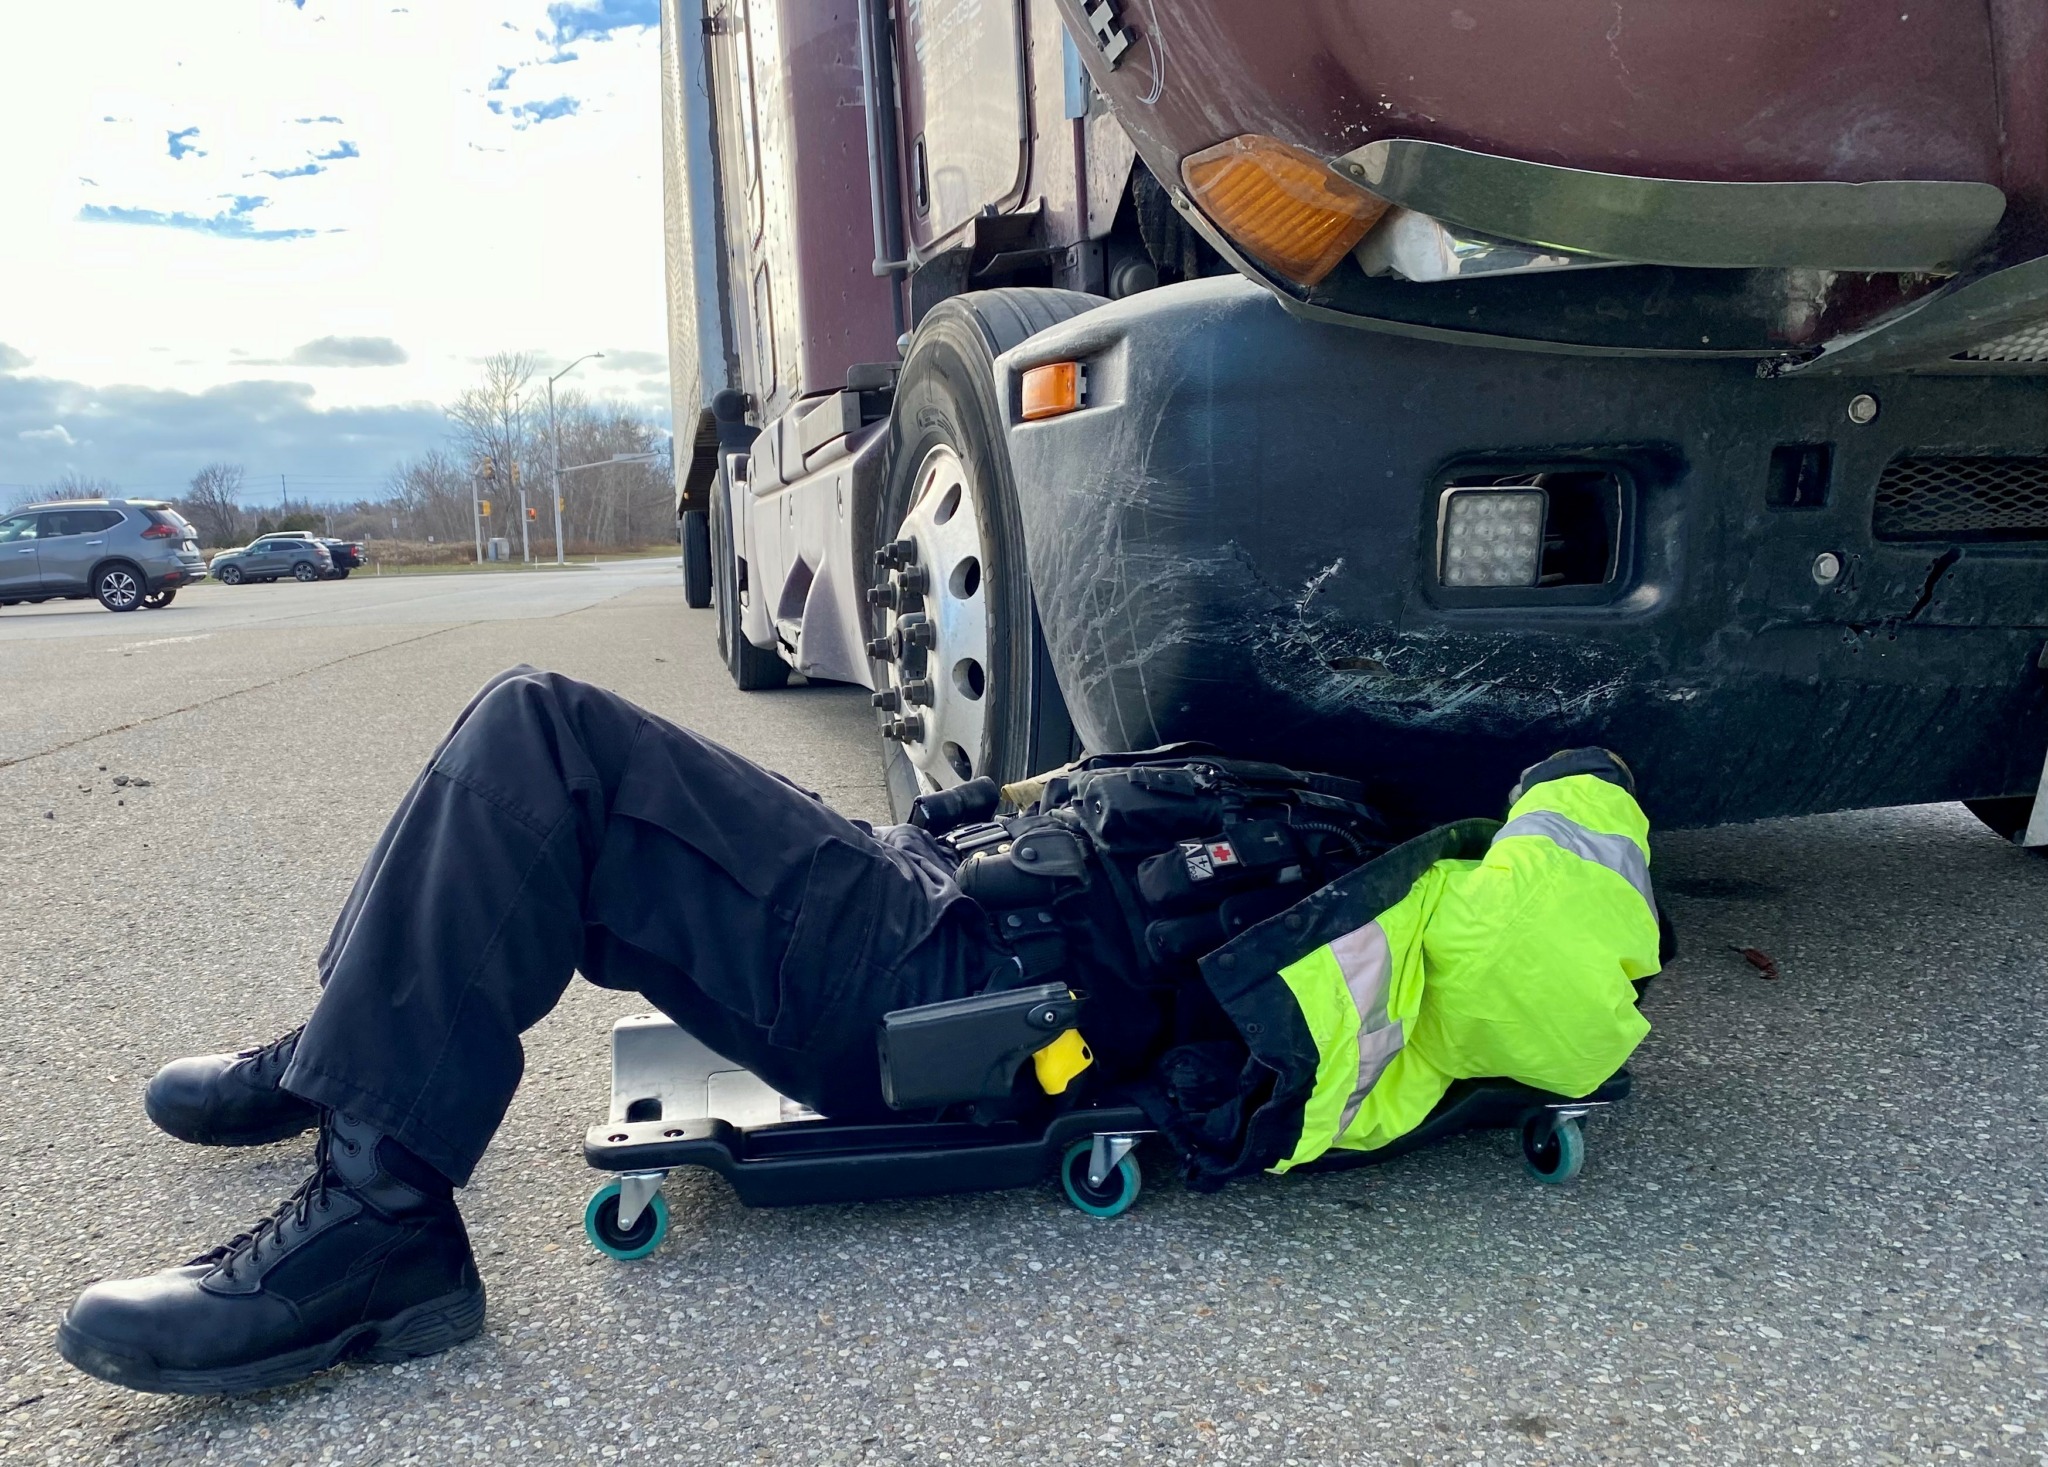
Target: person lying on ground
{"x": 558, "y": 828}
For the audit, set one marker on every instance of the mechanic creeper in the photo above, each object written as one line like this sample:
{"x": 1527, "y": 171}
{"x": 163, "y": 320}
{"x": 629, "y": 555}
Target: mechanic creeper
{"x": 1260, "y": 967}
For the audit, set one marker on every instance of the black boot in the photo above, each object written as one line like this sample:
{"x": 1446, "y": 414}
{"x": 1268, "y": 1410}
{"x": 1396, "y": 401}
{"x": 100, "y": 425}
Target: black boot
{"x": 230, "y": 1099}
{"x": 368, "y": 1258}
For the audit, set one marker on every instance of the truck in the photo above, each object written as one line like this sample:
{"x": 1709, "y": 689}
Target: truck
{"x": 1404, "y": 391}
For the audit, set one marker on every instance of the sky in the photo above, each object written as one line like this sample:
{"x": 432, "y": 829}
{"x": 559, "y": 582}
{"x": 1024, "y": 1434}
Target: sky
{"x": 279, "y": 232}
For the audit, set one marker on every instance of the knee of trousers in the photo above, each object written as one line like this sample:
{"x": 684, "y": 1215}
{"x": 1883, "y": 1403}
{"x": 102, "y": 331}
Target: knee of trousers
{"x": 571, "y": 725}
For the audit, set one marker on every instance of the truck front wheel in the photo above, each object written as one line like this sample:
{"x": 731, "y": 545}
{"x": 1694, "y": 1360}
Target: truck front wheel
{"x": 966, "y": 685}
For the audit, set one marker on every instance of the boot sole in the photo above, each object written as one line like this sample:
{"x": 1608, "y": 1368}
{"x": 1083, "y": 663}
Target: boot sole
{"x": 424, "y": 1329}
{"x": 283, "y": 1131}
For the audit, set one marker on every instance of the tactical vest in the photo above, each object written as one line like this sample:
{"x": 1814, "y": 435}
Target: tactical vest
{"x": 1256, "y": 949}
{"x": 1125, "y": 869}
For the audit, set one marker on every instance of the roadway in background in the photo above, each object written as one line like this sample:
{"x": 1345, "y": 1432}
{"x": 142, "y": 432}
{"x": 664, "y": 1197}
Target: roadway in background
{"x": 1816, "y": 1233}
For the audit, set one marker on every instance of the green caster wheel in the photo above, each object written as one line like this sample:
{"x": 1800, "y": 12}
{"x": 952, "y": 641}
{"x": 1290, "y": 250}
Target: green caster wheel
{"x": 1118, "y": 1190}
{"x": 601, "y": 1222}
{"x": 1553, "y": 1150}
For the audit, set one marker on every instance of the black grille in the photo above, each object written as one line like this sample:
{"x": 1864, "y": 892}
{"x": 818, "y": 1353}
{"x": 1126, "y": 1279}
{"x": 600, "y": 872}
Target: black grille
{"x": 1962, "y": 499}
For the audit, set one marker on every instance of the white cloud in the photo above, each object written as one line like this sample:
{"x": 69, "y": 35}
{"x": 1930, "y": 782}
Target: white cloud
{"x": 55, "y": 433}
{"x": 347, "y": 182}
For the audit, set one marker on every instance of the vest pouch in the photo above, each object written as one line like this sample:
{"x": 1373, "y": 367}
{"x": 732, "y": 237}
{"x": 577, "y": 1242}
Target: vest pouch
{"x": 1144, "y": 809}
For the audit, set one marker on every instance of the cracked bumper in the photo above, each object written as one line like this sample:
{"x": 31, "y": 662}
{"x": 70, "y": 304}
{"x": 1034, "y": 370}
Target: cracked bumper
{"x": 1234, "y": 538}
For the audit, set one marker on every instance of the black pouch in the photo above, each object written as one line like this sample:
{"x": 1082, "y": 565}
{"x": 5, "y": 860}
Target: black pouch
{"x": 1137, "y": 809}
{"x": 968, "y": 1049}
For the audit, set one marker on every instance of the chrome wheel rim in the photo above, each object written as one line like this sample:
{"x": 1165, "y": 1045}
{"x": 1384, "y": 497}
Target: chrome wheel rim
{"x": 941, "y": 713}
{"x": 304, "y": 572}
{"x": 119, "y": 588}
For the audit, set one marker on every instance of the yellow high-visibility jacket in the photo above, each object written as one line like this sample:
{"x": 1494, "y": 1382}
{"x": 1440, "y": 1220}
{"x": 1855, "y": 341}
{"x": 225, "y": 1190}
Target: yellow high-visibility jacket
{"x": 1478, "y": 950}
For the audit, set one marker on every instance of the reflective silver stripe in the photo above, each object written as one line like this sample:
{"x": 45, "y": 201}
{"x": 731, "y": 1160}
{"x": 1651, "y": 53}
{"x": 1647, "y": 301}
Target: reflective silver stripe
{"x": 1368, "y": 967}
{"x": 1617, "y": 853}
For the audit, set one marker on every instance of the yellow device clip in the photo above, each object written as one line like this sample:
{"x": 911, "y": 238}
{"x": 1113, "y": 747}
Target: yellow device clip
{"x": 1061, "y": 1060}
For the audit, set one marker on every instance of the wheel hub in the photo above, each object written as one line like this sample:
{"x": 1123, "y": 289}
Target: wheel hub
{"x": 935, "y": 642}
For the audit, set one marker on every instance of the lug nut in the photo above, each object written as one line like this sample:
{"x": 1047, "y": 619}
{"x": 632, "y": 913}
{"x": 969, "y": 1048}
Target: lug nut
{"x": 884, "y": 596}
{"x": 888, "y": 700}
{"x": 882, "y": 649}
{"x": 917, "y": 630}
{"x": 895, "y": 554}
{"x": 915, "y": 580}
{"x": 918, "y": 690}
{"x": 909, "y": 728}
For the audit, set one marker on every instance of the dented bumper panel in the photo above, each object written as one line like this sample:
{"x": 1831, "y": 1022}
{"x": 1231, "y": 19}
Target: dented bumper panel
{"x": 1237, "y": 538}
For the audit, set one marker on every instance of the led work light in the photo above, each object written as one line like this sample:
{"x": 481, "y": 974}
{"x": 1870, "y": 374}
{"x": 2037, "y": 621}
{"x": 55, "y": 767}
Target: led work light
{"x": 1491, "y": 537}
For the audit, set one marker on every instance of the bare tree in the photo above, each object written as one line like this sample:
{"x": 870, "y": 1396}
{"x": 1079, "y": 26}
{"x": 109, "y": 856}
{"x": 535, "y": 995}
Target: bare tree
{"x": 74, "y": 485}
{"x": 430, "y": 497}
{"x": 214, "y": 503}
{"x": 490, "y": 423}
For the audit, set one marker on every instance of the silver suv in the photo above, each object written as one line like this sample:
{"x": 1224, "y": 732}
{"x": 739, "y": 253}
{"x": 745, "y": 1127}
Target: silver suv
{"x": 127, "y": 552}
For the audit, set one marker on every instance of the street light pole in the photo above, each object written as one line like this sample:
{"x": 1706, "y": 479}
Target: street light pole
{"x": 555, "y": 437}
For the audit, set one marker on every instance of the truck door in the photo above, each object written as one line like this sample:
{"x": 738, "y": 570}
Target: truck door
{"x": 19, "y": 575}
{"x": 963, "y": 110}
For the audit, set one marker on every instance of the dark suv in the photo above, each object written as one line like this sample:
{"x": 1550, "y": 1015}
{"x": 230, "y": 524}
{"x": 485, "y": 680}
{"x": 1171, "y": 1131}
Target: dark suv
{"x": 269, "y": 556}
{"x": 346, "y": 554}
{"x": 129, "y": 553}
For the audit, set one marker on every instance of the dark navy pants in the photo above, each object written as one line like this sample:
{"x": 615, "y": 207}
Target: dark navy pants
{"x": 560, "y": 828}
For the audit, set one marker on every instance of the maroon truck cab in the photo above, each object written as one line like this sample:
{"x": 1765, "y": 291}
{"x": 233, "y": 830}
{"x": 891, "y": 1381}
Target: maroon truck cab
{"x": 1432, "y": 385}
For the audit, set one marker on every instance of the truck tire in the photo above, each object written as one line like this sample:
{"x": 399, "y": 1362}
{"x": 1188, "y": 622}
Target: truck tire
{"x": 753, "y": 670}
{"x": 986, "y": 699}
{"x": 696, "y": 536}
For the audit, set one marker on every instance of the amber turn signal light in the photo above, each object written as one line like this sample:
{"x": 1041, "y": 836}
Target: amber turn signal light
{"x": 1051, "y": 389}
{"x": 1281, "y": 203}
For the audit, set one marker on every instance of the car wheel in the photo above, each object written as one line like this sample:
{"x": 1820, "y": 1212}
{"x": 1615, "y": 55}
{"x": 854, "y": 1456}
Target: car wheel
{"x": 305, "y": 570}
{"x": 696, "y": 536}
{"x": 966, "y": 683}
{"x": 342, "y": 574}
{"x": 229, "y": 575}
{"x": 753, "y": 669}
{"x": 158, "y": 600}
{"x": 119, "y": 586}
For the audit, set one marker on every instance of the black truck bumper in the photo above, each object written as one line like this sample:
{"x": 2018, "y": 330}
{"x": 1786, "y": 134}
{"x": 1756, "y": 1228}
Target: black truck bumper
{"x": 1236, "y": 538}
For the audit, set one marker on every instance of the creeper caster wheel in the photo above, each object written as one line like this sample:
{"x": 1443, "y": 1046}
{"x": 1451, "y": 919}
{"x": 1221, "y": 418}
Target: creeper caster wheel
{"x": 601, "y": 1223}
{"x": 1113, "y": 1195}
{"x": 1553, "y": 1147}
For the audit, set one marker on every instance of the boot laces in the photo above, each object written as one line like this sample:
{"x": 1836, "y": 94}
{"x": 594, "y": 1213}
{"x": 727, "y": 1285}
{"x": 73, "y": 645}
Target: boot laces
{"x": 291, "y": 1216}
{"x": 270, "y": 1059}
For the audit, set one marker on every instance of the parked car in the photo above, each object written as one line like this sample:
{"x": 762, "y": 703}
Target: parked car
{"x": 298, "y": 556}
{"x": 348, "y": 554}
{"x": 129, "y": 553}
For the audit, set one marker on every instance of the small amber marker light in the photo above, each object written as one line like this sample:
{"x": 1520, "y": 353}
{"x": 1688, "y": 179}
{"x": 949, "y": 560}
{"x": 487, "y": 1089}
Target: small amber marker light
{"x": 1051, "y": 389}
{"x": 1283, "y": 204}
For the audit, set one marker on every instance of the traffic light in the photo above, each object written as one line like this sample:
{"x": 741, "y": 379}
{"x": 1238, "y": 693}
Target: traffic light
{"x": 532, "y": 514}
{"x": 485, "y": 509}
{"x": 488, "y": 472}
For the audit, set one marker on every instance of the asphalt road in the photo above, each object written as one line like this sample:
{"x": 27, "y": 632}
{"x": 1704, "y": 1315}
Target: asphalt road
{"x": 1815, "y": 1233}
